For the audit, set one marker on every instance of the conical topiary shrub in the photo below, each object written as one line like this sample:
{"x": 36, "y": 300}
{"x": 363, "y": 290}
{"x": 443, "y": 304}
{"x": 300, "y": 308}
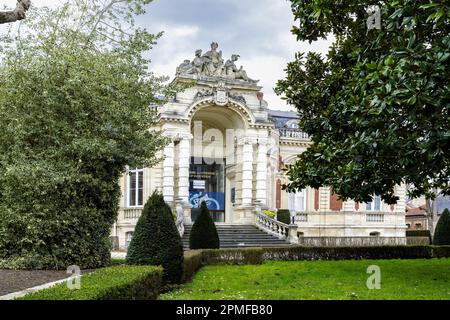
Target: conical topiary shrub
{"x": 442, "y": 232}
{"x": 204, "y": 233}
{"x": 156, "y": 240}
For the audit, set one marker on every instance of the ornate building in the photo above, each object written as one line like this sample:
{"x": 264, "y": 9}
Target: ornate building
{"x": 226, "y": 147}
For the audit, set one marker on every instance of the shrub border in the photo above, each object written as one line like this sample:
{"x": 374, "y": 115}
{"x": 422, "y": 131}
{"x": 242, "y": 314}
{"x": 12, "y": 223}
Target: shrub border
{"x": 195, "y": 259}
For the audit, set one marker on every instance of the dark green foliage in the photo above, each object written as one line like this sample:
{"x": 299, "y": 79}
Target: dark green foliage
{"x": 156, "y": 240}
{"x": 193, "y": 260}
{"x": 284, "y": 215}
{"x": 111, "y": 283}
{"x": 418, "y": 233}
{"x": 74, "y": 112}
{"x": 259, "y": 255}
{"x": 377, "y": 106}
{"x": 442, "y": 232}
{"x": 204, "y": 233}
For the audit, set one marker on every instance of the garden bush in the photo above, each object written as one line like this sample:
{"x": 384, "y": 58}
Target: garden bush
{"x": 204, "y": 233}
{"x": 442, "y": 232}
{"x": 418, "y": 233}
{"x": 156, "y": 240}
{"x": 269, "y": 213}
{"x": 73, "y": 114}
{"x": 111, "y": 283}
{"x": 284, "y": 215}
{"x": 193, "y": 260}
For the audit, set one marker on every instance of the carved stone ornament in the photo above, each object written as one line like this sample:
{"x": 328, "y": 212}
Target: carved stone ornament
{"x": 212, "y": 65}
{"x": 221, "y": 97}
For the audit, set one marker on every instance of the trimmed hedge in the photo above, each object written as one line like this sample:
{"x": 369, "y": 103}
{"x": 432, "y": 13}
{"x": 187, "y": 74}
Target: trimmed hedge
{"x": 156, "y": 240}
{"x": 204, "y": 233}
{"x": 418, "y": 233}
{"x": 284, "y": 215}
{"x": 195, "y": 259}
{"x": 111, "y": 283}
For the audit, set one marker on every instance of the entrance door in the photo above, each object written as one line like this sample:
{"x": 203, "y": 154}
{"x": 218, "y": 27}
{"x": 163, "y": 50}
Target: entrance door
{"x": 207, "y": 183}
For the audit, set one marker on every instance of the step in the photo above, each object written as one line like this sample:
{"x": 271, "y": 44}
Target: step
{"x": 239, "y": 236}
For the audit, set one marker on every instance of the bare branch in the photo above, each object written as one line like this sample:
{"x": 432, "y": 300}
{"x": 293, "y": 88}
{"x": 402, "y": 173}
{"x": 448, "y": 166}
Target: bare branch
{"x": 17, "y": 14}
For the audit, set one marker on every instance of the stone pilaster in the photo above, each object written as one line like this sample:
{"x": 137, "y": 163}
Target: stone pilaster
{"x": 184, "y": 155}
{"x": 168, "y": 173}
{"x": 349, "y": 206}
{"x": 247, "y": 172}
{"x": 324, "y": 198}
{"x": 261, "y": 172}
{"x": 400, "y": 192}
{"x": 183, "y": 169}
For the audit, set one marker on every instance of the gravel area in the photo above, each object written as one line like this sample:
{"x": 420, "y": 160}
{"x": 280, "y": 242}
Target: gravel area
{"x": 16, "y": 280}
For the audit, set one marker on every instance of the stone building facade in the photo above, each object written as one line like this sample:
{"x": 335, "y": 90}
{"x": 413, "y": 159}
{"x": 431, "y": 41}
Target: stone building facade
{"x": 228, "y": 148}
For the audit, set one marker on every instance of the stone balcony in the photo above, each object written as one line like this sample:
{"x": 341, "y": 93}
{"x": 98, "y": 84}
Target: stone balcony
{"x": 129, "y": 215}
{"x": 293, "y": 134}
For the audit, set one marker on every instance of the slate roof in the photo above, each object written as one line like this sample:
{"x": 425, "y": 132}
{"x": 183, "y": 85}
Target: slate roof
{"x": 280, "y": 118}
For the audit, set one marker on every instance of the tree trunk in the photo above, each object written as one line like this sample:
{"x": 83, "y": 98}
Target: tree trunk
{"x": 17, "y": 14}
{"x": 431, "y": 210}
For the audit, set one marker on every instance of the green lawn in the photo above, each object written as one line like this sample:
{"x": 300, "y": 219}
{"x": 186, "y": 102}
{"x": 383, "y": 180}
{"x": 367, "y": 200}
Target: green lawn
{"x": 400, "y": 279}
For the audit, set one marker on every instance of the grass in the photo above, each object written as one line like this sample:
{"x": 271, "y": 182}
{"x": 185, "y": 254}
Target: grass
{"x": 280, "y": 280}
{"x": 116, "y": 282}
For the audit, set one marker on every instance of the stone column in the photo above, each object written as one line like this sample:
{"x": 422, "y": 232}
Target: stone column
{"x": 261, "y": 172}
{"x": 183, "y": 169}
{"x": 247, "y": 172}
{"x": 168, "y": 173}
{"x": 183, "y": 176}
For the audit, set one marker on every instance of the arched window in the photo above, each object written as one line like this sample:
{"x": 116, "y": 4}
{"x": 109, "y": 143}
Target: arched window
{"x": 135, "y": 187}
{"x": 128, "y": 237}
{"x": 296, "y": 201}
{"x": 374, "y": 234}
{"x": 374, "y": 205}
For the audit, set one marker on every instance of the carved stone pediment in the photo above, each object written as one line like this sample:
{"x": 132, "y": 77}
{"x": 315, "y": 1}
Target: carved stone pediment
{"x": 220, "y": 94}
{"x": 211, "y": 65}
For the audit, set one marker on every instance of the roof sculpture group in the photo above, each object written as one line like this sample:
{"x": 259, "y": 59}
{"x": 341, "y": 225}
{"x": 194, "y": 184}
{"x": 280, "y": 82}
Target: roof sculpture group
{"x": 211, "y": 64}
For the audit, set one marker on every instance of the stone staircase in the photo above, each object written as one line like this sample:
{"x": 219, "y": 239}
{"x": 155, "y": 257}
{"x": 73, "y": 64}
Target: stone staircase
{"x": 239, "y": 236}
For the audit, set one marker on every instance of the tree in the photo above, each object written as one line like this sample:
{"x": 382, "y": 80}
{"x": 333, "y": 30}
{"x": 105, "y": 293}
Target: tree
{"x": 204, "y": 233}
{"x": 74, "y": 112}
{"x": 377, "y": 108}
{"x": 156, "y": 240}
{"x": 442, "y": 233}
{"x": 17, "y": 14}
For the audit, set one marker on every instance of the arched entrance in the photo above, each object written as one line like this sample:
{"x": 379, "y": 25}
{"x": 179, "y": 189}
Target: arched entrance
{"x": 213, "y": 162}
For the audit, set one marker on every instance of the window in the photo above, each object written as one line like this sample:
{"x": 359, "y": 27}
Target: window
{"x": 128, "y": 237}
{"x": 292, "y": 124}
{"x": 374, "y": 234}
{"x": 296, "y": 201}
{"x": 374, "y": 205}
{"x": 408, "y": 225}
{"x": 418, "y": 226}
{"x": 135, "y": 187}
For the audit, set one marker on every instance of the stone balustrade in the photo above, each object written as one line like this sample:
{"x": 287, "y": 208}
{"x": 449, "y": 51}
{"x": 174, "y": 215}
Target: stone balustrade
{"x": 293, "y": 133}
{"x": 132, "y": 213}
{"x": 279, "y": 229}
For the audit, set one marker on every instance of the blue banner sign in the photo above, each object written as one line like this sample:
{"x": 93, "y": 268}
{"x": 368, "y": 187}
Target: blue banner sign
{"x": 214, "y": 200}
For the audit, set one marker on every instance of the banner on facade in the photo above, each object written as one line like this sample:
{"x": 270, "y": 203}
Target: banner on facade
{"x": 214, "y": 200}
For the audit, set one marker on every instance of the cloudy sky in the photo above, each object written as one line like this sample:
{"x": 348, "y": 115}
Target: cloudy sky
{"x": 257, "y": 30}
